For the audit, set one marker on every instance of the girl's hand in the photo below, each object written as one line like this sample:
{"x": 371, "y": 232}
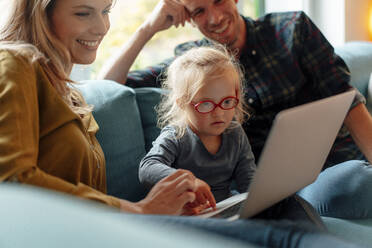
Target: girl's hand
{"x": 169, "y": 195}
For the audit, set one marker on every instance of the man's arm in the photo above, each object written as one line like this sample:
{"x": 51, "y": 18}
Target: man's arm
{"x": 151, "y": 76}
{"x": 331, "y": 75}
{"x": 359, "y": 123}
{"x": 165, "y": 14}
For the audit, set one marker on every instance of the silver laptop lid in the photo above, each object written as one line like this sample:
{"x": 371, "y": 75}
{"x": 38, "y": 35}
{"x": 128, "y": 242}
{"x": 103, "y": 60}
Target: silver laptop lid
{"x": 295, "y": 150}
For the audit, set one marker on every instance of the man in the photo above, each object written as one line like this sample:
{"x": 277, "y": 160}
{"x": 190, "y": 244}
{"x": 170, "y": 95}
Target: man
{"x": 287, "y": 62}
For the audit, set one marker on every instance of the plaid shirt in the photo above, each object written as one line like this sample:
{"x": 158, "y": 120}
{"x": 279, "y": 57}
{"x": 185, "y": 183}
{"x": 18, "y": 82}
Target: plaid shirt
{"x": 287, "y": 62}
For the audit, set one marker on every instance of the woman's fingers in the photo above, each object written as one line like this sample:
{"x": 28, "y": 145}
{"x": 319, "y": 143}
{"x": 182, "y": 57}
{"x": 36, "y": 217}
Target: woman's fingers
{"x": 186, "y": 197}
{"x": 204, "y": 193}
{"x": 212, "y": 202}
{"x": 181, "y": 185}
{"x": 200, "y": 197}
{"x": 170, "y": 195}
{"x": 178, "y": 192}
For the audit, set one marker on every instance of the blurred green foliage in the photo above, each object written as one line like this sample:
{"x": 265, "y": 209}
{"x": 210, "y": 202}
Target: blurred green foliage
{"x": 127, "y": 15}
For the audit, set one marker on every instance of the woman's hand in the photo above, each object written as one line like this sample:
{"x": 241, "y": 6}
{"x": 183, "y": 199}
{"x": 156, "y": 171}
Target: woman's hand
{"x": 166, "y": 14}
{"x": 170, "y": 195}
{"x": 204, "y": 199}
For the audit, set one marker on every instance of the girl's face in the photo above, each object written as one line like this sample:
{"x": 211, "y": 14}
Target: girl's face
{"x": 81, "y": 25}
{"x": 213, "y": 123}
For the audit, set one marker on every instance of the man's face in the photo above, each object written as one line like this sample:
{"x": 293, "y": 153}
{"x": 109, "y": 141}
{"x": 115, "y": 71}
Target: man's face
{"x": 218, "y": 20}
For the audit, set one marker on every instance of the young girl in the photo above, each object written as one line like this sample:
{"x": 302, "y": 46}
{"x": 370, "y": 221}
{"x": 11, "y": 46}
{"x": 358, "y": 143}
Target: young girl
{"x": 201, "y": 119}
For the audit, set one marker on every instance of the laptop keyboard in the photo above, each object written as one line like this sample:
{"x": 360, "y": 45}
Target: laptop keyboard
{"x": 230, "y": 211}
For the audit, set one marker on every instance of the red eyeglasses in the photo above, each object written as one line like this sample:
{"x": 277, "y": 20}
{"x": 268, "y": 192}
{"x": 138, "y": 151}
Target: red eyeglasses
{"x": 205, "y": 107}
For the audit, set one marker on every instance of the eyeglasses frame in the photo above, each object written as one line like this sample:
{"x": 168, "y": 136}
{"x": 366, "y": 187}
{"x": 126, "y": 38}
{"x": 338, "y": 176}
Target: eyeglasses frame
{"x": 195, "y": 105}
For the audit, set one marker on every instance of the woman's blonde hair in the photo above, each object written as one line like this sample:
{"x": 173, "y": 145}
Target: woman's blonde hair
{"x": 27, "y": 31}
{"x": 187, "y": 74}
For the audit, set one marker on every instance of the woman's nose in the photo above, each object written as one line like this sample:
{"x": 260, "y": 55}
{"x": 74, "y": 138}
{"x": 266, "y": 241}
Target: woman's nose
{"x": 101, "y": 25}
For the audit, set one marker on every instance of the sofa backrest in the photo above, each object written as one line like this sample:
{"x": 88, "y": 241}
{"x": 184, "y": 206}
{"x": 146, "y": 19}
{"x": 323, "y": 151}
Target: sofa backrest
{"x": 147, "y": 99}
{"x": 358, "y": 57}
{"x": 121, "y": 135}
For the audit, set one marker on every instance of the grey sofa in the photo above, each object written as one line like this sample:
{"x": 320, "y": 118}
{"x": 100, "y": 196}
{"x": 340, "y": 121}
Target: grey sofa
{"x": 38, "y": 218}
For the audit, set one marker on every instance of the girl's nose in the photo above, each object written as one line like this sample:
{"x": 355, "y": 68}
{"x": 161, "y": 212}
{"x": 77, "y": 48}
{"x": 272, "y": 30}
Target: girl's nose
{"x": 218, "y": 111}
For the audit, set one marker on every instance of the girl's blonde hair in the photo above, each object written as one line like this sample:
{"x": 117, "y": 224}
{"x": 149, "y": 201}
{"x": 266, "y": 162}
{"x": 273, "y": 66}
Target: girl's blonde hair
{"x": 27, "y": 31}
{"x": 187, "y": 74}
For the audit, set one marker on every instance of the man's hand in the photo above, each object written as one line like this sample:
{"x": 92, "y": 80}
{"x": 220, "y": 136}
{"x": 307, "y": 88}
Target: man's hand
{"x": 166, "y": 14}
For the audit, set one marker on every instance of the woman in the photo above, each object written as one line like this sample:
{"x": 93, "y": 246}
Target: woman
{"x": 48, "y": 132}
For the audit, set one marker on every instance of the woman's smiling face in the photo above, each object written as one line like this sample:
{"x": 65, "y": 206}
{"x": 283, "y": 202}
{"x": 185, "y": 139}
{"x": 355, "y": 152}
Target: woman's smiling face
{"x": 81, "y": 25}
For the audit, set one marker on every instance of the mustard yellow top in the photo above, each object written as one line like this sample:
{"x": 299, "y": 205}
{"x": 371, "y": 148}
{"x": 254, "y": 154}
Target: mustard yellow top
{"x": 42, "y": 141}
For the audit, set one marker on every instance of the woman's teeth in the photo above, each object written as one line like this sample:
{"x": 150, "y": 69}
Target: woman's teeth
{"x": 88, "y": 43}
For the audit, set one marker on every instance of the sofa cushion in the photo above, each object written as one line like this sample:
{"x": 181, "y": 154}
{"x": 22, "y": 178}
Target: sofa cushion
{"x": 147, "y": 99}
{"x": 358, "y": 57}
{"x": 120, "y": 135}
{"x": 35, "y": 217}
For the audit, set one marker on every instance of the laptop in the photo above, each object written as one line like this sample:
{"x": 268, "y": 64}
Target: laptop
{"x": 293, "y": 156}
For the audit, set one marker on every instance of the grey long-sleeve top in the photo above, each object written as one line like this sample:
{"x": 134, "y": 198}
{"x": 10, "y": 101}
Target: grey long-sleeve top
{"x": 233, "y": 161}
